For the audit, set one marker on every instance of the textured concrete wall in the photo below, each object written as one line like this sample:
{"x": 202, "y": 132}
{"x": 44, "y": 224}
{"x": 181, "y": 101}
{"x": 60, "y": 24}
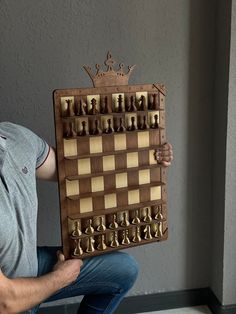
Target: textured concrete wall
{"x": 44, "y": 45}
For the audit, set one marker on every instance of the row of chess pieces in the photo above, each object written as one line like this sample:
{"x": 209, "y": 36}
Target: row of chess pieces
{"x": 124, "y": 223}
{"x": 115, "y": 239}
{"x": 124, "y": 104}
{"x": 70, "y": 130}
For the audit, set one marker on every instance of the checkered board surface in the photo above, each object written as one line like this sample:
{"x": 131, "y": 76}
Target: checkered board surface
{"x": 109, "y": 173}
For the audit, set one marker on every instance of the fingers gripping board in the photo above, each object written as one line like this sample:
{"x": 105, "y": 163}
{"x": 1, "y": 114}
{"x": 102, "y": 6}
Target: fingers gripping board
{"x": 112, "y": 189}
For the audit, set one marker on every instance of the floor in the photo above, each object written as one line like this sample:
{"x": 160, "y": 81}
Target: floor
{"x": 184, "y": 310}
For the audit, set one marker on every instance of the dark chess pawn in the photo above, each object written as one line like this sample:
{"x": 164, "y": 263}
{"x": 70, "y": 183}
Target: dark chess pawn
{"x": 101, "y": 244}
{"x": 114, "y": 241}
{"x": 155, "y": 101}
{"x": 81, "y": 108}
{"x": 101, "y": 226}
{"x": 147, "y": 217}
{"x": 83, "y": 132}
{"x": 70, "y": 108}
{"x": 133, "y": 126}
{"x": 144, "y": 125}
{"x": 143, "y": 103}
{"x": 155, "y": 125}
{"x": 76, "y": 232}
{"x": 78, "y": 251}
{"x": 66, "y": 130}
{"x": 109, "y": 128}
{"x": 120, "y": 104}
{"x": 96, "y": 130}
{"x": 128, "y": 104}
{"x": 93, "y": 110}
{"x": 151, "y": 100}
{"x": 132, "y": 105}
{"x": 121, "y": 127}
{"x": 90, "y": 247}
{"x": 147, "y": 233}
{"x": 72, "y": 131}
{"x": 137, "y": 237}
{"x": 125, "y": 235}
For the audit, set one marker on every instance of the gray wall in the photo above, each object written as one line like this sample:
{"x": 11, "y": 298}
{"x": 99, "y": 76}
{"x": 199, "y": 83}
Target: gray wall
{"x": 44, "y": 45}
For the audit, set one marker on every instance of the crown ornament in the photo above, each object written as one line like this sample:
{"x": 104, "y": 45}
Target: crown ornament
{"x": 110, "y": 77}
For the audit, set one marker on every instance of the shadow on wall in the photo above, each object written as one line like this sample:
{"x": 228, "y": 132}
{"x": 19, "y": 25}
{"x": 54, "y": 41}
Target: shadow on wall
{"x": 200, "y": 145}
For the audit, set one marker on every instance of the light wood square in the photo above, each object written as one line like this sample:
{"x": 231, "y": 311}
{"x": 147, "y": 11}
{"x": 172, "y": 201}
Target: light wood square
{"x": 108, "y": 163}
{"x": 120, "y": 141}
{"x": 151, "y": 115}
{"x": 79, "y": 125}
{"x": 64, "y": 105}
{"x": 121, "y": 180}
{"x": 143, "y": 139}
{"x": 104, "y": 121}
{"x": 128, "y": 120}
{"x": 70, "y": 148}
{"x": 84, "y": 166}
{"x": 152, "y": 160}
{"x": 95, "y": 144}
{"x": 132, "y": 160}
{"x": 144, "y": 176}
{"x": 89, "y": 99}
{"x": 133, "y": 197}
{"x": 97, "y": 184}
{"x": 155, "y": 193}
{"x": 110, "y": 200}
{"x": 138, "y": 96}
{"x": 115, "y": 100}
{"x": 86, "y": 205}
{"x": 72, "y": 187}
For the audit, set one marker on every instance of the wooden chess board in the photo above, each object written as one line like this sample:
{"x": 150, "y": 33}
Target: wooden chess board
{"x": 112, "y": 189}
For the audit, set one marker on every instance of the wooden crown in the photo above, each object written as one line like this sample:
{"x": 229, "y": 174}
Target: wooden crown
{"x": 110, "y": 77}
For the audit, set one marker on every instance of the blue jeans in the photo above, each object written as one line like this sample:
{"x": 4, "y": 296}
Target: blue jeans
{"x": 103, "y": 280}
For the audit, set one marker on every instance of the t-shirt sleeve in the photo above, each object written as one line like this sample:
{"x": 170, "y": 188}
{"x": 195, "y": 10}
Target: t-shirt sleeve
{"x": 42, "y": 152}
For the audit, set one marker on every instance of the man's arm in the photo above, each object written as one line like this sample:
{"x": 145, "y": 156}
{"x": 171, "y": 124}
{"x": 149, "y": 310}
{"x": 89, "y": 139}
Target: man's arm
{"x": 20, "y": 294}
{"x": 48, "y": 170}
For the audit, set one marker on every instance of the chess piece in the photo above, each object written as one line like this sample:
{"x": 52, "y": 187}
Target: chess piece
{"x": 128, "y": 104}
{"x": 70, "y": 108}
{"x": 93, "y": 110}
{"x": 137, "y": 237}
{"x": 143, "y": 103}
{"x": 96, "y": 130}
{"x": 78, "y": 251}
{"x": 66, "y": 130}
{"x": 121, "y": 127}
{"x": 159, "y": 230}
{"x": 120, "y": 104}
{"x": 136, "y": 219}
{"x": 83, "y": 132}
{"x": 147, "y": 217}
{"x": 113, "y": 224}
{"x": 72, "y": 131}
{"x": 90, "y": 247}
{"x": 155, "y": 125}
{"x": 144, "y": 125}
{"x": 105, "y": 106}
{"x": 125, "y": 240}
{"x": 151, "y": 100}
{"x": 81, "y": 110}
{"x": 158, "y": 215}
{"x": 125, "y": 221}
{"x": 133, "y": 126}
{"x": 109, "y": 128}
{"x": 89, "y": 229}
{"x": 147, "y": 232}
{"x": 132, "y": 105}
{"x": 101, "y": 226}
{"x": 76, "y": 232}
{"x": 155, "y": 101}
{"x": 114, "y": 241}
{"x": 101, "y": 245}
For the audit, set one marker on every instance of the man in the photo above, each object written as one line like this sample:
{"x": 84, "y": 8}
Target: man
{"x": 29, "y": 276}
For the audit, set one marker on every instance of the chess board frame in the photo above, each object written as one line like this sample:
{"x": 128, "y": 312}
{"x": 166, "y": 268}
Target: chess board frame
{"x": 70, "y": 205}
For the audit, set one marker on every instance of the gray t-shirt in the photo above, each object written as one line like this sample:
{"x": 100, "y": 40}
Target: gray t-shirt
{"x": 21, "y": 152}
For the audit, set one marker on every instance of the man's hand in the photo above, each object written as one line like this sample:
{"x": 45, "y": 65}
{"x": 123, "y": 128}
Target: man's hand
{"x": 164, "y": 154}
{"x": 68, "y": 270}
